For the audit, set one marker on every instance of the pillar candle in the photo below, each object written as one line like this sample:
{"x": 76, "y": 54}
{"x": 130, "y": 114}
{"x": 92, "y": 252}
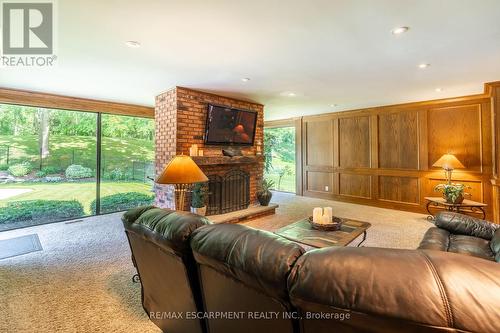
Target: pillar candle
{"x": 317, "y": 213}
{"x": 328, "y": 211}
{"x": 325, "y": 219}
{"x": 200, "y": 152}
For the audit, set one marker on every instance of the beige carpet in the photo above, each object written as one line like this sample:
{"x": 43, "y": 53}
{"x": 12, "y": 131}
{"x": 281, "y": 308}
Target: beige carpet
{"x": 81, "y": 281}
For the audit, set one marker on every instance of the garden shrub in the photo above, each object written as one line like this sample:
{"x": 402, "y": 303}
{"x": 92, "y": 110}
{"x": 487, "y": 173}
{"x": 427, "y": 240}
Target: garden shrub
{"x": 40, "y": 173}
{"x": 20, "y": 169}
{"x": 4, "y": 167}
{"x": 122, "y": 201}
{"x": 76, "y": 171}
{"x": 50, "y": 170}
{"x": 117, "y": 174}
{"x": 40, "y": 210}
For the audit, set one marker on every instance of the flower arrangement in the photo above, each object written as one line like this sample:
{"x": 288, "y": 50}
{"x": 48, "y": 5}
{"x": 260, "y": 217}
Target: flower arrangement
{"x": 453, "y": 193}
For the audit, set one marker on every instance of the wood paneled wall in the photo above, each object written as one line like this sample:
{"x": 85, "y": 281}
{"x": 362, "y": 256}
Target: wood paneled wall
{"x": 494, "y": 91}
{"x": 383, "y": 156}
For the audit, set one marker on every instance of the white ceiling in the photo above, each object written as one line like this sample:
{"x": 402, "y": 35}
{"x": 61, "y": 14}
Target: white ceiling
{"x": 325, "y": 51}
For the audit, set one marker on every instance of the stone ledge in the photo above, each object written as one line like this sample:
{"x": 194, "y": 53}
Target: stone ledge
{"x": 223, "y": 160}
{"x": 250, "y": 213}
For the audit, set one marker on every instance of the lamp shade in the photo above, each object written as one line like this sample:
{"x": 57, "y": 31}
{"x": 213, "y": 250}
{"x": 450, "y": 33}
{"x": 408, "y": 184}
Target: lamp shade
{"x": 181, "y": 170}
{"x": 448, "y": 162}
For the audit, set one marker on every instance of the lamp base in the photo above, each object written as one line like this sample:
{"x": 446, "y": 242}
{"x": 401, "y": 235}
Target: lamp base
{"x": 180, "y": 196}
{"x": 447, "y": 174}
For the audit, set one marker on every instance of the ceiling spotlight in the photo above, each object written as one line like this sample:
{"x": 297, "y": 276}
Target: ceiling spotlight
{"x": 133, "y": 44}
{"x": 438, "y": 89}
{"x": 245, "y": 79}
{"x": 423, "y": 66}
{"x": 400, "y": 30}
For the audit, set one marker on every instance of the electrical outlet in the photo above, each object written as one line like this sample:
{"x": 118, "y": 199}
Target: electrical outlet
{"x": 326, "y": 188}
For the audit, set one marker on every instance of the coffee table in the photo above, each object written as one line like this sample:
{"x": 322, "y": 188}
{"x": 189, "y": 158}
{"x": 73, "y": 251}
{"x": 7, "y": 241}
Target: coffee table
{"x": 302, "y": 232}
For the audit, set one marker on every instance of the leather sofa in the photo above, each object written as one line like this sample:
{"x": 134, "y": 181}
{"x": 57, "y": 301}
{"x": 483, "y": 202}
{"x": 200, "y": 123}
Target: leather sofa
{"x": 188, "y": 265}
{"x": 463, "y": 234}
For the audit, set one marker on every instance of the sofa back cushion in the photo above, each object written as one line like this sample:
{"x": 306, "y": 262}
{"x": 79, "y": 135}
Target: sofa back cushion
{"x": 159, "y": 241}
{"x": 389, "y": 290}
{"x": 244, "y": 270}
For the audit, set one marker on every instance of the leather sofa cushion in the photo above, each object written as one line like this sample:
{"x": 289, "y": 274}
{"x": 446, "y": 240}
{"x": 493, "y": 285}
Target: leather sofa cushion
{"x": 465, "y": 225}
{"x": 495, "y": 245}
{"x": 171, "y": 230}
{"x": 435, "y": 239}
{"x": 413, "y": 286}
{"x": 470, "y": 245}
{"x": 257, "y": 258}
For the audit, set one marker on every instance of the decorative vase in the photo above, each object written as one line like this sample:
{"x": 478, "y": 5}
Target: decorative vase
{"x": 200, "y": 211}
{"x": 264, "y": 197}
{"x": 458, "y": 200}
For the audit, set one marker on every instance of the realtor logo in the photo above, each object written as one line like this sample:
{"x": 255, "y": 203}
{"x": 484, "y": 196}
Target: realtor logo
{"x": 27, "y": 29}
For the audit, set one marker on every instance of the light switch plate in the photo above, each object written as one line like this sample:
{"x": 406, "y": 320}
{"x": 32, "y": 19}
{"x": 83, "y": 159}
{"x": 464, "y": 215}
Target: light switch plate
{"x": 326, "y": 188}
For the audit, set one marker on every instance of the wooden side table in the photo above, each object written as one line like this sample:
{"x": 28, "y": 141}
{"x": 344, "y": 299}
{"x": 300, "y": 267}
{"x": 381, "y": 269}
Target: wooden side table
{"x": 468, "y": 207}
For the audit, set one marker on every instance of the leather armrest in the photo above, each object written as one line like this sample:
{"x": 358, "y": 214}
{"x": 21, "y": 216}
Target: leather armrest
{"x": 465, "y": 225}
{"x": 435, "y": 239}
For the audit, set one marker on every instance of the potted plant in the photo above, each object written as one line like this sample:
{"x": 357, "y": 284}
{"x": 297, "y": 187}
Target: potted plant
{"x": 198, "y": 199}
{"x": 264, "y": 195}
{"x": 453, "y": 193}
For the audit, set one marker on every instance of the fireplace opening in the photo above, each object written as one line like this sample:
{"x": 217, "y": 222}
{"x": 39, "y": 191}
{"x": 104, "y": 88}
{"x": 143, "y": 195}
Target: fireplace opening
{"x": 229, "y": 192}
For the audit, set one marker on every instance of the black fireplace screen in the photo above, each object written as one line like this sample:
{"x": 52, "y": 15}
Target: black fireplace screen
{"x": 229, "y": 192}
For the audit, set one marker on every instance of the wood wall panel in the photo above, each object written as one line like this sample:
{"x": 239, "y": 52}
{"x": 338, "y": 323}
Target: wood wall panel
{"x": 399, "y": 189}
{"x": 398, "y": 140}
{"x": 383, "y": 156}
{"x": 475, "y": 190}
{"x": 319, "y": 143}
{"x": 353, "y": 185}
{"x": 456, "y": 129}
{"x": 354, "y": 142}
{"x": 316, "y": 182}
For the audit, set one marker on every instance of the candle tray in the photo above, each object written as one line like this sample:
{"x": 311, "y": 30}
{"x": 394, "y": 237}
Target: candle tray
{"x": 335, "y": 225}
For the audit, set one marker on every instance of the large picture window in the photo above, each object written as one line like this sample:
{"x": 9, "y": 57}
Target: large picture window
{"x": 49, "y": 164}
{"x": 279, "y": 151}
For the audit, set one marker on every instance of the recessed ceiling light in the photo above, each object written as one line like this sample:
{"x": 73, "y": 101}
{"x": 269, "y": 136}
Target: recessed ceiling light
{"x": 333, "y": 105}
{"x": 291, "y": 94}
{"x": 423, "y": 65}
{"x": 400, "y": 30}
{"x": 438, "y": 89}
{"x": 133, "y": 44}
{"x": 245, "y": 79}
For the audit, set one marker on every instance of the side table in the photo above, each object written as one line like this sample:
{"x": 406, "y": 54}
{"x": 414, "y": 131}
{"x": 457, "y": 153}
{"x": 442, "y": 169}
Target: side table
{"x": 467, "y": 207}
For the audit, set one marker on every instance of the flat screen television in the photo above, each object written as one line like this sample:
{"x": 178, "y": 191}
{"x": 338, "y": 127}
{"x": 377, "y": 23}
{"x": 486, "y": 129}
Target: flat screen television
{"x": 228, "y": 126}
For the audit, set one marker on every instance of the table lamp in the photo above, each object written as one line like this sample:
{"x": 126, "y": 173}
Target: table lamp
{"x": 181, "y": 172}
{"x": 448, "y": 162}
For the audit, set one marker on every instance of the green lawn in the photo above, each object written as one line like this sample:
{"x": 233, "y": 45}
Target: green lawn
{"x": 66, "y": 150}
{"x": 288, "y": 181}
{"x": 82, "y": 192}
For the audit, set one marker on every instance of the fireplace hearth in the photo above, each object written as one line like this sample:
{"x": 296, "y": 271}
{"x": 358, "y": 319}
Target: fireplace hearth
{"x": 229, "y": 192}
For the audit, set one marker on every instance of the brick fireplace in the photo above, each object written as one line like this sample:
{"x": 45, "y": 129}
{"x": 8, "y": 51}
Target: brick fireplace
{"x": 180, "y": 115}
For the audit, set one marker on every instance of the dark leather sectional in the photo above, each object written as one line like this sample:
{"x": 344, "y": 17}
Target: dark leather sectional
{"x": 198, "y": 277}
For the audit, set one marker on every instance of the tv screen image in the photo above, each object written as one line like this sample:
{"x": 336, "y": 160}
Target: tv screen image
{"x": 228, "y": 126}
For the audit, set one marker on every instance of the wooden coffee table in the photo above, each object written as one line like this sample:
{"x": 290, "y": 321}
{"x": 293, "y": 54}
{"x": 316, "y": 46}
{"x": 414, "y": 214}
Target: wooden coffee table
{"x": 302, "y": 232}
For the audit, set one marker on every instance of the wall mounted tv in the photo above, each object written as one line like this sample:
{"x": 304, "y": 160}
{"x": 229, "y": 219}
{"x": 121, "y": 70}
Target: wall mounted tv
{"x": 228, "y": 126}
